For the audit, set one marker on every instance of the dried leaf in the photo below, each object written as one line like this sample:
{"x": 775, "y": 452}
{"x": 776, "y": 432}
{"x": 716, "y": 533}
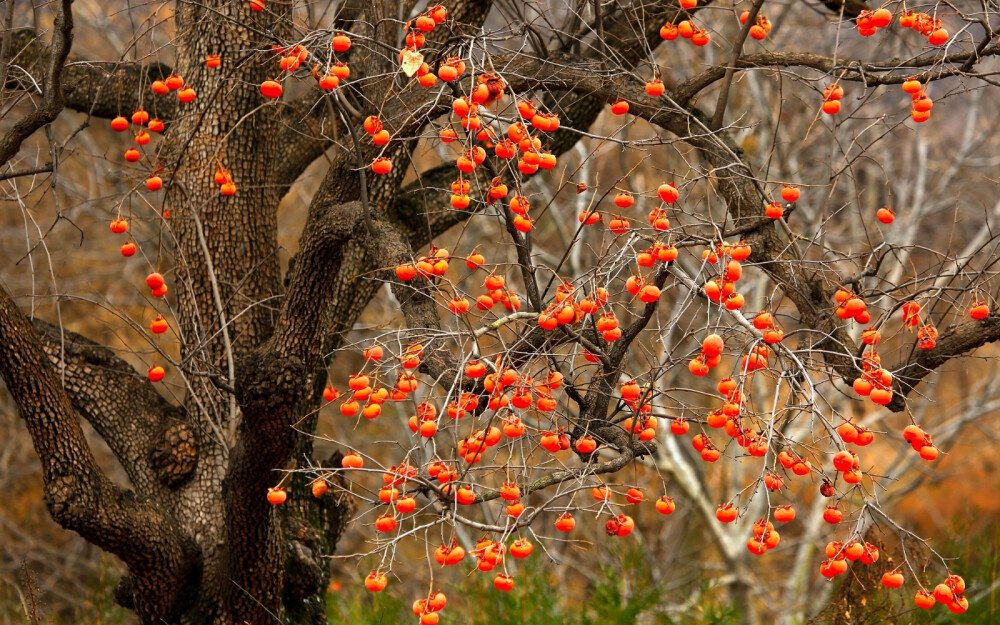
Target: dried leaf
{"x": 412, "y": 60}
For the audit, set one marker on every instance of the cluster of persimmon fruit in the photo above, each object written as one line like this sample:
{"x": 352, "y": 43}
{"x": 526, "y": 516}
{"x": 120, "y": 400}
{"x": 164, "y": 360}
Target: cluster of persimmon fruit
{"x": 868, "y": 23}
{"x": 567, "y": 307}
{"x": 154, "y": 182}
{"x": 922, "y": 104}
{"x": 329, "y": 77}
{"x": 875, "y": 382}
{"x": 144, "y": 125}
{"x": 120, "y": 225}
{"x": 926, "y": 25}
{"x": 920, "y": 112}
{"x": 157, "y": 287}
{"x": 832, "y": 95}
{"x": 950, "y": 593}
{"x": 845, "y": 462}
{"x": 487, "y": 553}
{"x": 700, "y": 37}
{"x": 505, "y": 390}
{"x": 292, "y": 58}
{"x": 174, "y": 82}
{"x": 687, "y": 30}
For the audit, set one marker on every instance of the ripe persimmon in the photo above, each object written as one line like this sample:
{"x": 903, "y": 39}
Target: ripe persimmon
{"x": 924, "y": 600}
{"x": 892, "y": 579}
{"x": 784, "y": 514}
{"x": 276, "y": 496}
{"x": 503, "y": 582}
{"x": 376, "y": 582}
{"x": 340, "y": 43}
{"x": 726, "y": 513}
{"x": 833, "y": 515}
{"x": 565, "y": 522}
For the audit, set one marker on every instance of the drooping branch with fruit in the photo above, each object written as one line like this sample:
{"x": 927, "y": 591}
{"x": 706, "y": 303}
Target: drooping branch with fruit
{"x": 563, "y": 319}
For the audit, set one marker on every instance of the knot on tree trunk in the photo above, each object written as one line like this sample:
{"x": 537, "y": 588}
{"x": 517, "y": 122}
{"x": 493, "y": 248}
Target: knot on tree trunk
{"x": 176, "y": 455}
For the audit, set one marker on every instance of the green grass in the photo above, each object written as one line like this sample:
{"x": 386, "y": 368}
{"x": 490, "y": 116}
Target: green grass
{"x": 622, "y": 595}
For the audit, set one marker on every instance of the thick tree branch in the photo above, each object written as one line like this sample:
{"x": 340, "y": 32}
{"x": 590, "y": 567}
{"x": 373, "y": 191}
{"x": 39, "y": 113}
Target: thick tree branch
{"x": 162, "y": 561}
{"x": 100, "y": 88}
{"x": 419, "y": 308}
{"x": 107, "y": 89}
{"x": 32, "y": 171}
{"x": 891, "y": 72}
{"x": 956, "y": 341}
{"x": 148, "y": 435}
{"x": 271, "y": 384}
{"x": 327, "y": 232}
{"x": 52, "y": 92}
{"x": 268, "y": 388}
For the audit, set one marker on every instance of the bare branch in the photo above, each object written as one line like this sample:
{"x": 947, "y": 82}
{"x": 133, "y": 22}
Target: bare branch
{"x": 52, "y": 86}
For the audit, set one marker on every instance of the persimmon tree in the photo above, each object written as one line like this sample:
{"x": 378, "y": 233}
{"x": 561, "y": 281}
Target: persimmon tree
{"x": 584, "y": 321}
